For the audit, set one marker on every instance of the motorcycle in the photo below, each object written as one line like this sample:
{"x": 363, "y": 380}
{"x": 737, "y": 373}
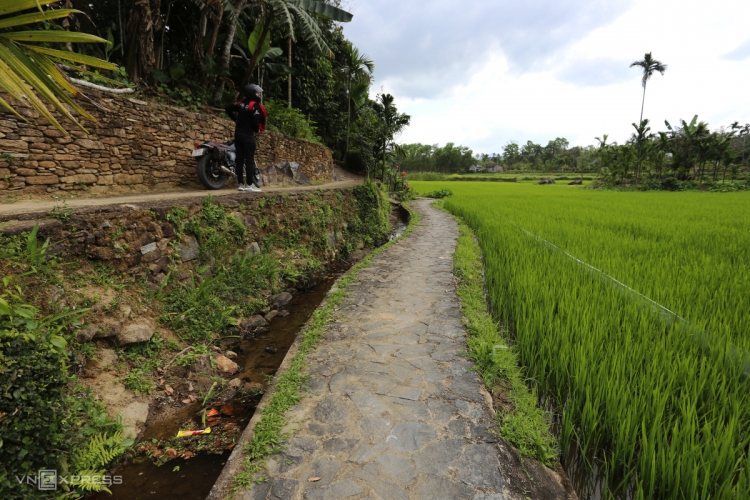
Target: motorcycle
{"x": 216, "y": 163}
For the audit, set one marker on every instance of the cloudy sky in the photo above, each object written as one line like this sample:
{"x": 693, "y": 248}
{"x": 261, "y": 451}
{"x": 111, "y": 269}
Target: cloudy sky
{"x": 484, "y": 72}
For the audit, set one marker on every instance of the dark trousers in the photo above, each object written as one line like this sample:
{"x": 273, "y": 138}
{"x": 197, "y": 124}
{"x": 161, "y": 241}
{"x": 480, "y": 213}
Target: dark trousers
{"x": 246, "y": 167}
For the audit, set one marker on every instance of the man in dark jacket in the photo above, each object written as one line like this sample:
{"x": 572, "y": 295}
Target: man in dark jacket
{"x": 250, "y": 117}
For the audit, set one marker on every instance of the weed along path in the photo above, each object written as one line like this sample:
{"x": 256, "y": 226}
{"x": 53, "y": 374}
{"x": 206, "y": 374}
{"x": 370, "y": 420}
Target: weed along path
{"x": 392, "y": 410}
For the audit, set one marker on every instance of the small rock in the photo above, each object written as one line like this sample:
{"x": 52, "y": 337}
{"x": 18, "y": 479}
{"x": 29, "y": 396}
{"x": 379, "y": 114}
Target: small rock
{"x": 87, "y": 333}
{"x": 283, "y": 314}
{"x": 293, "y": 291}
{"x": 106, "y": 225}
{"x": 231, "y": 354}
{"x": 135, "y": 333}
{"x": 189, "y": 249}
{"x": 167, "y": 230}
{"x": 226, "y": 366}
{"x": 133, "y": 416}
{"x": 253, "y": 322}
{"x": 171, "y": 452}
{"x": 271, "y": 315}
{"x": 271, "y": 350}
{"x": 226, "y": 394}
{"x": 215, "y": 348}
{"x": 280, "y": 300}
{"x": 253, "y": 248}
{"x": 303, "y": 179}
{"x": 148, "y": 248}
{"x": 235, "y": 383}
{"x": 253, "y": 387}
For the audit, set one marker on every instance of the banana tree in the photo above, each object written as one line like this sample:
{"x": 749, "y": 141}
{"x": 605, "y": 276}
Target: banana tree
{"x": 29, "y": 72}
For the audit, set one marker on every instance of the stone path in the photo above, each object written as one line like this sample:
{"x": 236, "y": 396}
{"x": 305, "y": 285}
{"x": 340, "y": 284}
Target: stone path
{"x": 393, "y": 410}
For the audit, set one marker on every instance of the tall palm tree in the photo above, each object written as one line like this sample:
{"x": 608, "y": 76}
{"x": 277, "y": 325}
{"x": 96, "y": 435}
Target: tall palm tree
{"x": 29, "y": 67}
{"x": 649, "y": 66}
{"x": 358, "y": 68}
{"x": 391, "y": 121}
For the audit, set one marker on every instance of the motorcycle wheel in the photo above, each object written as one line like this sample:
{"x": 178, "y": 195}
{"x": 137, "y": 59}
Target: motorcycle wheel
{"x": 210, "y": 174}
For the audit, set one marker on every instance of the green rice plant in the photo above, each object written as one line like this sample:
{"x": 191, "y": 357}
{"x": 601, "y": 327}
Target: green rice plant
{"x": 657, "y": 409}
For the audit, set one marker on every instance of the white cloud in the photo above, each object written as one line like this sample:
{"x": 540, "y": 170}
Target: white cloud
{"x": 529, "y": 88}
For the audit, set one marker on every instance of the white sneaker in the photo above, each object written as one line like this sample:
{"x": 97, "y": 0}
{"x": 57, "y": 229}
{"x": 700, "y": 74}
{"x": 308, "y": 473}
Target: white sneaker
{"x": 253, "y": 188}
{"x": 243, "y": 187}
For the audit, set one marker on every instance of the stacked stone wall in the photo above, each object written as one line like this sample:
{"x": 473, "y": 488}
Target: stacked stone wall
{"x": 134, "y": 146}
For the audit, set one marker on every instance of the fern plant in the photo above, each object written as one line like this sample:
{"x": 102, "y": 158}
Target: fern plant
{"x": 89, "y": 463}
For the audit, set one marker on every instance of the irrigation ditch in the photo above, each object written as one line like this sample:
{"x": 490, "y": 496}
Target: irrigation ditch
{"x": 260, "y": 356}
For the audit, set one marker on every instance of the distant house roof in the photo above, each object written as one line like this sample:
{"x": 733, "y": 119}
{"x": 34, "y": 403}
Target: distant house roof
{"x": 476, "y": 168}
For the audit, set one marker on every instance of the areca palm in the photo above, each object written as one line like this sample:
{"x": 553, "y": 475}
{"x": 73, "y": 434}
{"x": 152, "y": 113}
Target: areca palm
{"x": 649, "y": 65}
{"x": 358, "y": 68}
{"x": 29, "y": 72}
{"x": 391, "y": 121}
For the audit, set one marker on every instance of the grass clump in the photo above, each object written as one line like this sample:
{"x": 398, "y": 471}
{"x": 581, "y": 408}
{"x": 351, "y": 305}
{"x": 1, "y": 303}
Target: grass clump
{"x": 439, "y": 194}
{"x": 521, "y": 423}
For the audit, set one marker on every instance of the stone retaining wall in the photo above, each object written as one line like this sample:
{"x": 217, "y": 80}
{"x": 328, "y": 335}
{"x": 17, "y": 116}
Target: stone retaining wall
{"x": 135, "y": 146}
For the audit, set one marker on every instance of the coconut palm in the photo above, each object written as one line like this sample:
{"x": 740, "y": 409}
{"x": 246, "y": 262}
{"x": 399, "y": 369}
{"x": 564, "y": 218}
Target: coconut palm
{"x": 291, "y": 13}
{"x": 358, "y": 69}
{"x": 649, "y": 66}
{"x": 29, "y": 72}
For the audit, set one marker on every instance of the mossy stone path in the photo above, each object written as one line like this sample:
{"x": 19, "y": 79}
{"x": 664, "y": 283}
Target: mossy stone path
{"x": 393, "y": 411}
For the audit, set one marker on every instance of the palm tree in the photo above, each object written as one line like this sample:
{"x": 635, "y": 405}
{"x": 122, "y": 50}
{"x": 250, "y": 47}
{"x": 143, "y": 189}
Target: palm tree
{"x": 391, "y": 122}
{"x": 358, "y": 67}
{"x": 649, "y": 66}
{"x": 27, "y": 70}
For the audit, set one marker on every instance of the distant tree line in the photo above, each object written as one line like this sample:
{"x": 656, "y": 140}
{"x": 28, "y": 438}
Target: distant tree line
{"x": 448, "y": 159}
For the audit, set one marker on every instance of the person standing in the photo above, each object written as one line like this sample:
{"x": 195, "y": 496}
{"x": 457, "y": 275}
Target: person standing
{"x": 250, "y": 118}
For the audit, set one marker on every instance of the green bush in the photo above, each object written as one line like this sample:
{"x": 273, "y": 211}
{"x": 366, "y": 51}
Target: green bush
{"x": 290, "y": 121}
{"x": 371, "y": 223}
{"x": 46, "y": 421}
{"x": 440, "y": 193}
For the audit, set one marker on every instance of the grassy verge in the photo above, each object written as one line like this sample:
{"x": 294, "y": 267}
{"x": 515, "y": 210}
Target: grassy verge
{"x": 268, "y": 437}
{"x": 520, "y": 421}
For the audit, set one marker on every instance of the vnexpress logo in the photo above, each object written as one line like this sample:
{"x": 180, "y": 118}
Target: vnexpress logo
{"x": 48, "y": 480}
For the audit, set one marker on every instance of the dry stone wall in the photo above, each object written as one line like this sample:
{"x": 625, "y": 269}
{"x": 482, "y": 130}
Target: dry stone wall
{"x": 136, "y": 146}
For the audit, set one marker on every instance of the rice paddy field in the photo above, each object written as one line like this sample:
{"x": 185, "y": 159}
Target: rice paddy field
{"x": 631, "y": 312}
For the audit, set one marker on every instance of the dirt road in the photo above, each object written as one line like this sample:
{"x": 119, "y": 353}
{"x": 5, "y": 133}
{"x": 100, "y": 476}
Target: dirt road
{"x": 34, "y": 207}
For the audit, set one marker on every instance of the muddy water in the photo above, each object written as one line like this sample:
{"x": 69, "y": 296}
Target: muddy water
{"x": 142, "y": 479}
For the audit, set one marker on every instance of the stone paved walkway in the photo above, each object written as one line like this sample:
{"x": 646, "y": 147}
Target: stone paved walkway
{"x": 393, "y": 409}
